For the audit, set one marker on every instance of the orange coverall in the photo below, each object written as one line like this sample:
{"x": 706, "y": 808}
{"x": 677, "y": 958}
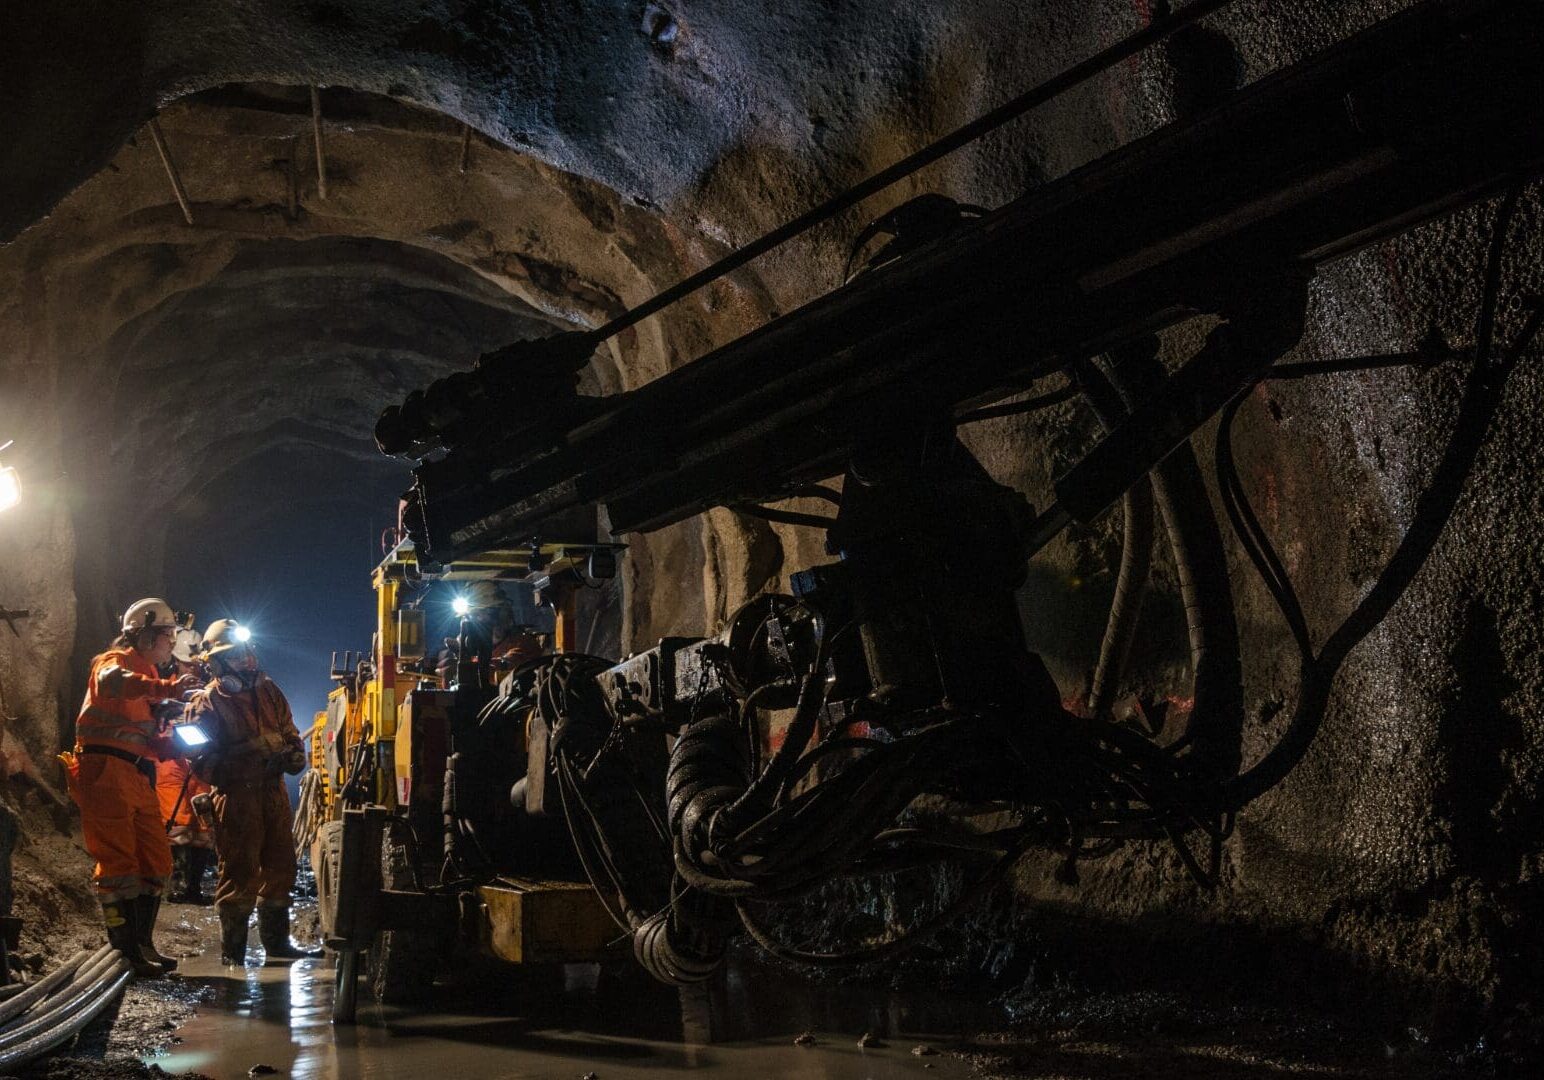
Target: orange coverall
{"x": 254, "y": 828}
{"x": 119, "y": 812}
{"x": 176, "y": 803}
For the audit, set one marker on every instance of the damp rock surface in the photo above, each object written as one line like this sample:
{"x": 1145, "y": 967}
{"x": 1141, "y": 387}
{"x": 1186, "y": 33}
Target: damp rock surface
{"x": 503, "y": 170}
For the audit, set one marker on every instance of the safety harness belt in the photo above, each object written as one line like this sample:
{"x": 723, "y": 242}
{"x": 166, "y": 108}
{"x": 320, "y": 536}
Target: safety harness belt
{"x": 145, "y": 765}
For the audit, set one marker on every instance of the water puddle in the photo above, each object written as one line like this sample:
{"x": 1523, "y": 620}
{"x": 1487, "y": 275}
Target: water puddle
{"x": 609, "y": 1023}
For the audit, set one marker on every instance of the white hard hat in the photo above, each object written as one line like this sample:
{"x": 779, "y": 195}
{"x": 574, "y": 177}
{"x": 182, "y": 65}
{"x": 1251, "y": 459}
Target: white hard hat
{"x": 224, "y": 635}
{"x": 153, "y": 611}
{"x": 187, "y": 644}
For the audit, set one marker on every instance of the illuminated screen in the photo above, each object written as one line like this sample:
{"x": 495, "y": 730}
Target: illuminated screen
{"x": 191, "y": 735}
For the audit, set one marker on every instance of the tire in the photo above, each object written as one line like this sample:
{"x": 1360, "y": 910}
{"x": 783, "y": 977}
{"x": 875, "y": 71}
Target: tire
{"x": 326, "y": 856}
{"x": 345, "y": 995}
{"x": 402, "y": 965}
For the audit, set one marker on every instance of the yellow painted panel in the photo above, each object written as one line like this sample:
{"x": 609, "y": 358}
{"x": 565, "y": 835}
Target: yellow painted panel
{"x": 533, "y": 922}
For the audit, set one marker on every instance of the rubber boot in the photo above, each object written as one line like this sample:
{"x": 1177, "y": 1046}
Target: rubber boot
{"x": 233, "y": 935}
{"x": 177, "y": 888}
{"x": 121, "y": 917}
{"x": 195, "y": 862}
{"x": 146, "y": 908}
{"x": 199, "y": 861}
{"x": 273, "y": 929}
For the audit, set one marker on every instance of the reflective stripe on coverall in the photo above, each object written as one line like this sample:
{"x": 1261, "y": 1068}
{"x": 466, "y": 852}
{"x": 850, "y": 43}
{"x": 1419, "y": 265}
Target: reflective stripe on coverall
{"x": 254, "y": 825}
{"x": 120, "y": 816}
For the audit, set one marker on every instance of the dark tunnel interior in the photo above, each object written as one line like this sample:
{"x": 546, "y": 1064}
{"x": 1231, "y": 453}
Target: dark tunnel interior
{"x": 236, "y": 554}
{"x": 1072, "y": 611}
{"x": 234, "y": 436}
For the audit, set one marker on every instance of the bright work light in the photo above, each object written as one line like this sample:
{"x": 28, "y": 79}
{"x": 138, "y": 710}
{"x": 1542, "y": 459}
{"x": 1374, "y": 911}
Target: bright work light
{"x": 460, "y": 605}
{"x": 190, "y": 735}
{"x": 243, "y": 634}
{"x": 10, "y": 488}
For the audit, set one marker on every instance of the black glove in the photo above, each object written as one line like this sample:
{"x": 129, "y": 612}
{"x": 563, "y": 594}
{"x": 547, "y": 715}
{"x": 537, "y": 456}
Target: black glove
{"x": 294, "y": 761}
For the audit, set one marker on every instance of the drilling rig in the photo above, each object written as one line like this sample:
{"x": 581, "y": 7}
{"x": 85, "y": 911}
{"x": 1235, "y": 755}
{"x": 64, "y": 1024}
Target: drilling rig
{"x": 898, "y": 671}
{"x": 383, "y": 748}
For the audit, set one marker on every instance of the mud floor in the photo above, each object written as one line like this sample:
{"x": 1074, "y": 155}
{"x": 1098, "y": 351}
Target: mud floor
{"x": 211, "y": 1021}
{"x": 585, "y": 1021}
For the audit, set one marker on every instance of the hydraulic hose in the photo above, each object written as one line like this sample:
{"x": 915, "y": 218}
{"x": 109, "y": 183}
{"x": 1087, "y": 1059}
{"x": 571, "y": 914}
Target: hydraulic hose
{"x": 67, "y": 1023}
{"x": 1200, "y": 561}
{"x": 686, "y": 942}
{"x": 87, "y": 982}
{"x": 707, "y": 772}
{"x": 1136, "y": 555}
{"x": 712, "y": 803}
{"x": 1201, "y": 564}
{"x": 82, "y": 976}
{"x": 968, "y": 898}
{"x": 757, "y": 800}
{"x": 45, "y": 986}
{"x": 1136, "y": 560}
{"x": 449, "y": 816}
{"x": 1217, "y": 715}
{"x": 308, "y": 815}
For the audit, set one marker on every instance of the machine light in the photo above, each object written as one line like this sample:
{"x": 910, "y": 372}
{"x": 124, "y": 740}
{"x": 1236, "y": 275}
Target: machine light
{"x": 10, "y": 488}
{"x": 243, "y": 634}
{"x": 460, "y": 605}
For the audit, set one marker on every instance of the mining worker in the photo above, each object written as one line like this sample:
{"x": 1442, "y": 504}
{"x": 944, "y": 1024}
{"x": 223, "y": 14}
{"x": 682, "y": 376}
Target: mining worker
{"x": 492, "y": 635}
{"x": 112, "y": 775}
{"x": 252, "y": 744}
{"x": 192, "y": 844}
{"x": 176, "y": 786}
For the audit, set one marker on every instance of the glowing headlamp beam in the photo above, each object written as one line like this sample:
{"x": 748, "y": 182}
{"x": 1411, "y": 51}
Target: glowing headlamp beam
{"x": 10, "y": 488}
{"x": 243, "y": 634}
{"x": 460, "y": 605}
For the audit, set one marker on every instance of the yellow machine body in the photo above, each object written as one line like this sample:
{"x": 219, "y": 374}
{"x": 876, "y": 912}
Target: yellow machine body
{"x": 544, "y": 922}
{"x": 390, "y": 711}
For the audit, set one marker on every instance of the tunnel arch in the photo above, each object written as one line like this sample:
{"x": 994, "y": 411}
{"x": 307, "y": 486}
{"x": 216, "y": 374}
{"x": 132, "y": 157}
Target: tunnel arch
{"x": 755, "y": 113}
{"x": 118, "y": 251}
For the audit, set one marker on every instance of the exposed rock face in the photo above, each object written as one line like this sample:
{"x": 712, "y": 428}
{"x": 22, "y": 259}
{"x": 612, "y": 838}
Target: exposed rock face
{"x": 619, "y": 146}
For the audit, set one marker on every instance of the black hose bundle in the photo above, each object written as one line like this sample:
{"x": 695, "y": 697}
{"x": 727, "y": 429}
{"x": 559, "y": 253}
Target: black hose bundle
{"x": 685, "y": 942}
{"x": 740, "y": 836}
{"x": 54, "y": 1010}
{"x": 610, "y": 782}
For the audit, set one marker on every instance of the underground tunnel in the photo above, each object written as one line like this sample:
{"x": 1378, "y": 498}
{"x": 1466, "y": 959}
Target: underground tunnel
{"x": 1067, "y": 607}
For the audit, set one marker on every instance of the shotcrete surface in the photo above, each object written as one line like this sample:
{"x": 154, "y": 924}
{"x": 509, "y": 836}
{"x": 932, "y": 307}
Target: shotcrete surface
{"x": 616, "y": 147}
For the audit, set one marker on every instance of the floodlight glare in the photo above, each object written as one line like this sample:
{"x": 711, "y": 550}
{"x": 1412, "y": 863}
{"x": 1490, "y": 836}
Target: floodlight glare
{"x": 460, "y": 605}
{"x": 243, "y": 634}
{"x": 10, "y": 488}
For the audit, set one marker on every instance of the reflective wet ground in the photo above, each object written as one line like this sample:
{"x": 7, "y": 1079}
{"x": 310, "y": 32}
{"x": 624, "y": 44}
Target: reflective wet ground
{"x": 614, "y": 1024}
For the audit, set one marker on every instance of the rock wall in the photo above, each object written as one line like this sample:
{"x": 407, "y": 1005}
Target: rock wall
{"x": 615, "y": 147}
